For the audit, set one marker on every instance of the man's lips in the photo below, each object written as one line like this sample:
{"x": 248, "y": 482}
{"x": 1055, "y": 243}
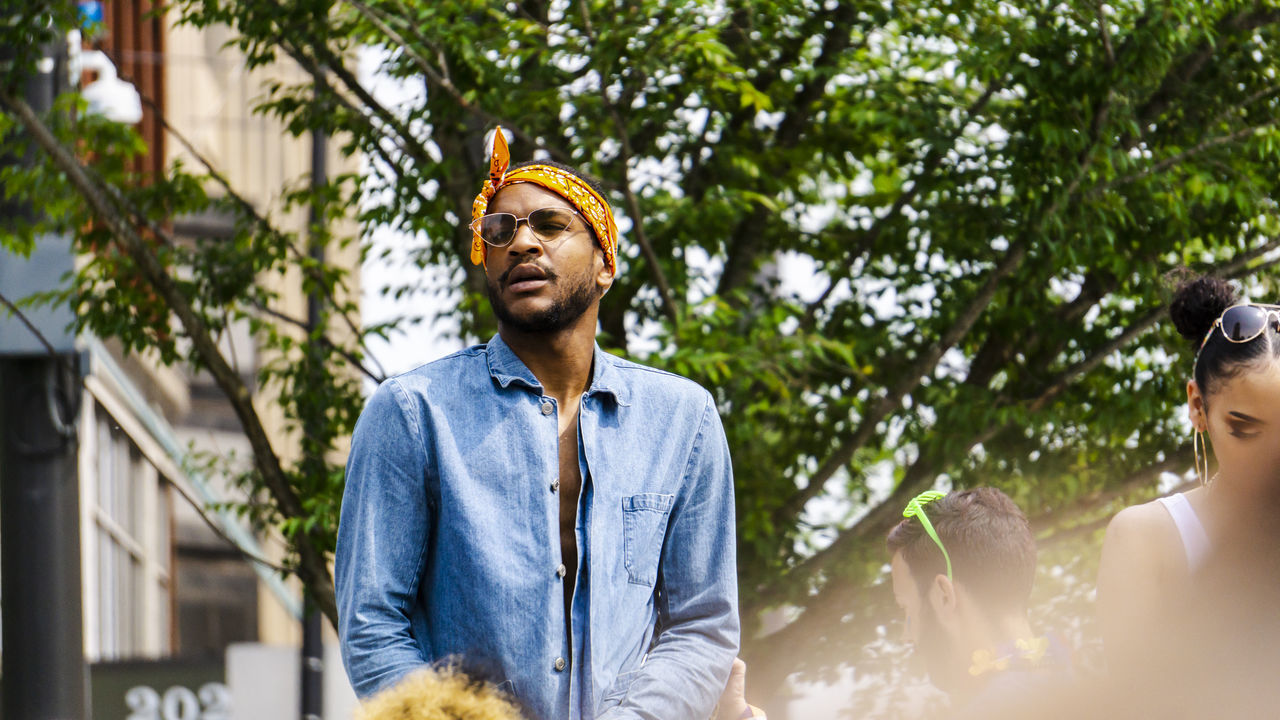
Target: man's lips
{"x": 526, "y": 277}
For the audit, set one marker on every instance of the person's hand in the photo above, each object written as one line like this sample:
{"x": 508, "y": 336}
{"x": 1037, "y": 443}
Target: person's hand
{"x": 733, "y": 702}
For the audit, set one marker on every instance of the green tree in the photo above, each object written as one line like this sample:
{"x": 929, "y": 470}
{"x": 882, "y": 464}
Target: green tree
{"x": 984, "y": 196}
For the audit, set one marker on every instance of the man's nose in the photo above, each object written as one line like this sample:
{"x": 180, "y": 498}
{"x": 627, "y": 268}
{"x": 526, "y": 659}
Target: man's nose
{"x": 524, "y": 240}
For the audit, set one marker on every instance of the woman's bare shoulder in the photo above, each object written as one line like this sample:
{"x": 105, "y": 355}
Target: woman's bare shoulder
{"x": 1136, "y": 576}
{"x": 1142, "y": 534}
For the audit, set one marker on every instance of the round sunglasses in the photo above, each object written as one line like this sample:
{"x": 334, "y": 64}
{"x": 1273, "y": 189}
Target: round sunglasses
{"x": 1244, "y": 322}
{"x": 549, "y": 225}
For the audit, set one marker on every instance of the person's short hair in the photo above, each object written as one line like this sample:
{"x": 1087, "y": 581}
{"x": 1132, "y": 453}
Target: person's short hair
{"x": 986, "y": 534}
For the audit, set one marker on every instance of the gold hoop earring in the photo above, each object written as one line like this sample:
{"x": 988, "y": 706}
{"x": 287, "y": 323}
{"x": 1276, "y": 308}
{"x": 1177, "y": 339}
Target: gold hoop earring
{"x": 1201, "y": 450}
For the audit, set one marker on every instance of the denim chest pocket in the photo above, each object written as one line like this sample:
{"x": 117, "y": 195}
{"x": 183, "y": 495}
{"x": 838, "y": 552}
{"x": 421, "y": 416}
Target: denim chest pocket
{"x": 644, "y": 524}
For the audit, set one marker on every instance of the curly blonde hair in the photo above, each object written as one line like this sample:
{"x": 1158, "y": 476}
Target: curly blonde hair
{"x": 442, "y": 693}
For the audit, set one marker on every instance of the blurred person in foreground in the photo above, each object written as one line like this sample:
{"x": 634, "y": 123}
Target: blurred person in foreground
{"x": 1188, "y": 585}
{"x": 1153, "y": 551}
{"x": 439, "y": 693}
{"x": 733, "y": 703}
{"x": 445, "y": 693}
{"x": 1211, "y": 652}
{"x": 962, "y": 568}
{"x": 533, "y": 508}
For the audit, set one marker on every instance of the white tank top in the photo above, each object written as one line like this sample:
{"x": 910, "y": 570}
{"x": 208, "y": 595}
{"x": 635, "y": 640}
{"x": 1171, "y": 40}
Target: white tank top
{"x": 1194, "y": 539}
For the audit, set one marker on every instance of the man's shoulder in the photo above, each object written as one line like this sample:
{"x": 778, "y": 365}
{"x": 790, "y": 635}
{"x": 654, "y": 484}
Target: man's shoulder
{"x": 651, "y": 381}
{"x": 467, "y": 362}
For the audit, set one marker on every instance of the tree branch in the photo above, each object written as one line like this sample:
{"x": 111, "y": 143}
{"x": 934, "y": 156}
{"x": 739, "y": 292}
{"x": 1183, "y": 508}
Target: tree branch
{"x": 921, "y": 473}
{"x": 744, "y": 245}
{"x": 637, "y": 225}
{"x": 892, "y": 400}
{"x": 326, "y": 62}
{"x": 1178, "y": 80}
{"x": 928, "y": 166}
{"x": 1174, "y": 160}
{"x": 271, "y": 231}
{"x": 328, "y": 343}
{"x": 1047, "y": 524}
{"x": 15, "y": 311}
{"x": 881, "y": 515}
{"x": 737, "y": 39}
{"x": 313, "y": 567}
{"x": 195, "y": 504}
{"x": 380, "y": 21}
{"x": 201, "y": 510}
{"x": 927, "y": 361}
{"x": 1106, "y": 35}
{"x": 633, "y": 205}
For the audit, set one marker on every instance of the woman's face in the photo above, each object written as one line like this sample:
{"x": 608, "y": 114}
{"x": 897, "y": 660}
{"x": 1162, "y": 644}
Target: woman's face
{"x": 1242, "y": 419}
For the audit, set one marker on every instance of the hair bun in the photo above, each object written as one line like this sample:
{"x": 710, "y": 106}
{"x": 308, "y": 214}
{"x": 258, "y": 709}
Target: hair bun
{"x": 1197, "y": 303}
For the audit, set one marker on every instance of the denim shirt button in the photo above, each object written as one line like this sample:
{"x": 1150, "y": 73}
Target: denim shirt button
{"x": 560, "y": 664}
{"x": 555, "y": 486}
{"x": 560, "y": 570}
{"x": 548, "y": 408}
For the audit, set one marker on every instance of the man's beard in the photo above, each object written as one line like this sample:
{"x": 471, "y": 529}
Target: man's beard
{"x": 565, "y": 309}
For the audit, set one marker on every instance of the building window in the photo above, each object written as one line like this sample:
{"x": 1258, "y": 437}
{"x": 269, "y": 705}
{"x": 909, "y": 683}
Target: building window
{"x": 130, "y": 534}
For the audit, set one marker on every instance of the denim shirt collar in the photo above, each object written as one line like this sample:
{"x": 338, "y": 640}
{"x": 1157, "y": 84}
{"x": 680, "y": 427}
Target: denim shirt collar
{"x": 506, "y": 368}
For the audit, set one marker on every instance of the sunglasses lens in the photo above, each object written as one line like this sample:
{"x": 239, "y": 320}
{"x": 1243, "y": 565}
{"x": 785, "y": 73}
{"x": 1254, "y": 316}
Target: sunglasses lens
{"x": 549, "y": 223}
{"x": 1243, "y": 323}
{"x": 497, "y": 229}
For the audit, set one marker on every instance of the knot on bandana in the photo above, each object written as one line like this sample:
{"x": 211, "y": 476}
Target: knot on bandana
{"x": 561, "y": 182}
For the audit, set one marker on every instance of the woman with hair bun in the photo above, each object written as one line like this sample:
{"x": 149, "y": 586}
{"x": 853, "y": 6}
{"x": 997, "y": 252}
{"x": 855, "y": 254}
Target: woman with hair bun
{"x": 1154, "y": 556}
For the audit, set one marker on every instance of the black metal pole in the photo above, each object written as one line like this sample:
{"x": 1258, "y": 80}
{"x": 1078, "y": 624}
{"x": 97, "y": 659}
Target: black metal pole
{"x": 312, "y": 620}
{"x": 312, "y": 664}
{"x": 43, "y": 665}
{"x": 41, "y": 615}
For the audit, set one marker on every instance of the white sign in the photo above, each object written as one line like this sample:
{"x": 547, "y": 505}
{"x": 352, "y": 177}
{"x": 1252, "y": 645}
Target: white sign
{"x": 211, "y": 701}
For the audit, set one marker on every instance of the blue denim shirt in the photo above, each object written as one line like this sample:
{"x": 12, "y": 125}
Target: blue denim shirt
{"x": 449, "y": 539}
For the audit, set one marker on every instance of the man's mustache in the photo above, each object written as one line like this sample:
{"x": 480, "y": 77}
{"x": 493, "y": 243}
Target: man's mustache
{"x": 502, "y": 279}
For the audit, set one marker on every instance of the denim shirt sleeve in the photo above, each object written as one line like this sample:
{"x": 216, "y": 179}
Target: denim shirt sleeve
{"x": 685, "y": 672}
{"x": 381, "y": 543}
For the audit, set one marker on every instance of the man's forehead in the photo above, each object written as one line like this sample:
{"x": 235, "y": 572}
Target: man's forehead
{"x": 523, "y": 197}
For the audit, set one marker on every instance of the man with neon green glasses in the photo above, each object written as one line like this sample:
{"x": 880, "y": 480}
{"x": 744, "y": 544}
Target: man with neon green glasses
{"x": 962, "y": 569}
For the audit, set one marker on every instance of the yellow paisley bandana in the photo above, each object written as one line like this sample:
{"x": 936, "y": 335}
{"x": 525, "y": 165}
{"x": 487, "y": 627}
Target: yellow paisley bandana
{"x": 565, "y": 184}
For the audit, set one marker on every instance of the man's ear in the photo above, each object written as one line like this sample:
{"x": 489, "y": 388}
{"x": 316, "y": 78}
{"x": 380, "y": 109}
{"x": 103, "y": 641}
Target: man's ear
{"x": 604, "y": 276}
{"x": 942, "y": 594}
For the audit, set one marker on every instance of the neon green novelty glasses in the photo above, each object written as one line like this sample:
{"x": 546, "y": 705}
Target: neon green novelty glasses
{"x": 915, "y": 509}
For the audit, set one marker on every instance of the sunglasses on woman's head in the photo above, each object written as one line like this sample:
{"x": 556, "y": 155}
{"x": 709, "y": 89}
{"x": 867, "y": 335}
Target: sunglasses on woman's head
{"x": 548, "y": 224}
{"x": 1245, "y": 322}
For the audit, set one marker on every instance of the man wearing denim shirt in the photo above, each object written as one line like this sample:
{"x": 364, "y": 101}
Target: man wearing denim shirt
{"x": 554, "y": 519}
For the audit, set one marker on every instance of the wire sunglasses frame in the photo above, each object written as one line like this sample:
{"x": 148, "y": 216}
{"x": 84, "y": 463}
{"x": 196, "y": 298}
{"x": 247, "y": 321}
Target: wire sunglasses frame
{"x": 915, "y": 509}
{"x": 548, "y": 224}
{"x": 1247, "y": 322}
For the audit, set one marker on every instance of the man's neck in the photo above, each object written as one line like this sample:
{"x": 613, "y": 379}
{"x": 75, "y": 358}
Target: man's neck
{"x": 561, "y": 361}
{"x": 989, "y": 645}
{"x": 1009, "y": 630}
